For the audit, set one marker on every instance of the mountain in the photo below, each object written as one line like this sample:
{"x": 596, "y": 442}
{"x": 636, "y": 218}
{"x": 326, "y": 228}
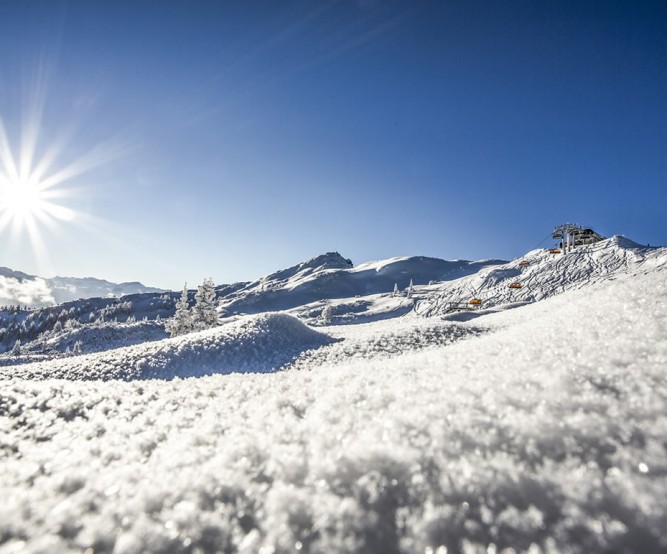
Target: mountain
{"x": 18, "y": 288}
{"x": 331, "y": 276}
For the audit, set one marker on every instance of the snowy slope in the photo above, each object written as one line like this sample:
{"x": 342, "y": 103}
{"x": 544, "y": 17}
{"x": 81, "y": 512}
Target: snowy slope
{"x": 545, "y": 275}
{"x": 93, "y": 338}
{"x": 509, "y": 438}
{"x": 259, "y": 343}
{"x": 17, "y": 288}
{"x": 331, "y": 276}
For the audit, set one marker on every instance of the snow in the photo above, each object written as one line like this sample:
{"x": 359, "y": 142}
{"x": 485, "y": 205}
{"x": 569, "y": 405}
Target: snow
{"x": 545, "y": 275}
{"x": 258, "y": 343}
{"x": 541, "y": 429}
{"x": 330, "y": 277}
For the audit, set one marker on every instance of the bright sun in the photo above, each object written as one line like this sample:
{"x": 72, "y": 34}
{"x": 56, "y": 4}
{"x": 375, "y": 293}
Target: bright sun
{"x": 39, "y": 175}
{"x": 31, "y": 188}
{"x": 21, "y": 198}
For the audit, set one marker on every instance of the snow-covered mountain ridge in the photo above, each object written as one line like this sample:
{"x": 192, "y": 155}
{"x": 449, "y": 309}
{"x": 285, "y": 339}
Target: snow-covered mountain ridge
{"x": 18, "y": 288}
{"x": 331, "y": 276}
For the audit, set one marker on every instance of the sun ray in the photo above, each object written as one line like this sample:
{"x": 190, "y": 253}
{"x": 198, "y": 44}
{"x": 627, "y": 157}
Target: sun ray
{"x": 6, "y": 156}
{"x": 38, "y": 184}
{"x": 32, "y": 122}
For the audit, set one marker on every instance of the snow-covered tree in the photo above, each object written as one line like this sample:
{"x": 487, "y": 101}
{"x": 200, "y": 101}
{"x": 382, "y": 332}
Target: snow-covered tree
{"x": 396, "y": 291}
{"x": 410, "y": 290}
{"x": 181, "y": 323}
{"x": 327, "y": 313}
{"x": 204, "y": 314}
{"x": 58, "y": 327}
{"x": 77, "y": 349}
{"x": 16, "y": 351}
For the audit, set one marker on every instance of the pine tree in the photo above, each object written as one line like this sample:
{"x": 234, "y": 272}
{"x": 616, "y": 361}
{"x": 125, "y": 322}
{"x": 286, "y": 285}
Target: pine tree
{"x": 204, "y": 314}
{"x": 16, "y": 351}
{"x": 327, "y": 314}
{"x": 78, "y": 348}
{"x": 410, "y": 290}
{"x": 396, "y": 291}
{"x": 181, "y": 323}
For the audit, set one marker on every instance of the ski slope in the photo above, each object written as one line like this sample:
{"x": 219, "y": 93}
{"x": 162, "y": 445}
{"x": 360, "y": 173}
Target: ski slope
{"x": 545, "y": 275}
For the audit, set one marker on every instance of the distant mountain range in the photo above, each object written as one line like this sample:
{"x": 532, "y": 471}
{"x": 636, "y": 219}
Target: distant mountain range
{"x": 18, "y": 288}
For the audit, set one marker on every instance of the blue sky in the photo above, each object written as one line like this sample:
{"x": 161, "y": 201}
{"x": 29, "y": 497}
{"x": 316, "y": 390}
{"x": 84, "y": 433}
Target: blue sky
{"x": 231, "y": 139}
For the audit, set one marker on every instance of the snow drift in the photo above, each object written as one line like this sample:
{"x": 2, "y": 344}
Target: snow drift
{"x": 254, "y": 344}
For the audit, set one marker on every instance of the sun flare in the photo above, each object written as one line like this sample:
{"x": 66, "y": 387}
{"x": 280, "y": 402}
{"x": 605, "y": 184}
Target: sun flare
{"x": 36, "y": 182}
{"x": 21, "y": 198}
{"x": 27, "y": 194}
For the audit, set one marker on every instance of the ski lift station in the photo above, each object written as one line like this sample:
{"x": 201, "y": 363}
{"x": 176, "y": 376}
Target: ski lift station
{"x": 572, "y": 235}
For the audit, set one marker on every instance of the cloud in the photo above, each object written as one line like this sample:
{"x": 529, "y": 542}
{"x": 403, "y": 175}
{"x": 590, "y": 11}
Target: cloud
{"x": 29, "y": 292}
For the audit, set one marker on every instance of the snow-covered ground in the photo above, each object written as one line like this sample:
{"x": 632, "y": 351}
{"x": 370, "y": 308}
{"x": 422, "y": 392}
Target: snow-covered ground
{"x": 542, "y": 428}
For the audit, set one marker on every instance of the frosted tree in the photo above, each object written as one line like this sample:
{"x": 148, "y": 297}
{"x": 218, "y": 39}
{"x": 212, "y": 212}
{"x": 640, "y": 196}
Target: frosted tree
{"x": 16, "y": 351}
{"x": 181, "y": 323}
{"x": 327, "y": 313}
{"x": 77, "y": 349}
{"x": 204, "y": 314}
{"x": 410, "y": 290}
{"x": 396, "y": 291}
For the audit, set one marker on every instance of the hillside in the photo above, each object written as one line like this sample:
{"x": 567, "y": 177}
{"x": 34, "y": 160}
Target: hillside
{"x": 541, "y": 274}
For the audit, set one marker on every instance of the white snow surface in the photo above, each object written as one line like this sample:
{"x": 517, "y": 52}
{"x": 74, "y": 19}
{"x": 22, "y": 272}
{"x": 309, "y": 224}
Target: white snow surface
{"x": 538, "y": 429}
{"x": 260, "y": 343}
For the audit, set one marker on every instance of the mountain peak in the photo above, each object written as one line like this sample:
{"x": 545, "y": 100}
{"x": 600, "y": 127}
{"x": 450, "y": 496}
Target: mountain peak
{"x": 330, "y": 260}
